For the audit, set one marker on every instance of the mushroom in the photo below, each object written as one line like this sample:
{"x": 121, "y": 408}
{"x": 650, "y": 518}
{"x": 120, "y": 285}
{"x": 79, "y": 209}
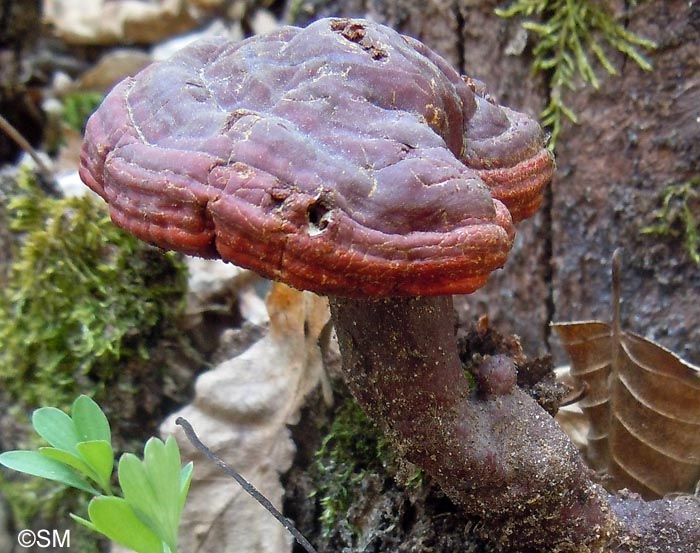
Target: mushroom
{"x": 352, "y": 161}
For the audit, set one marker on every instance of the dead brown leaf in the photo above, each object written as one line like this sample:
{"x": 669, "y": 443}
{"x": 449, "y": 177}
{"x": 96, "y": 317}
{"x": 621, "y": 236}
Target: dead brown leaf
{"x": 642, "y": 402}
{"x": 242, "y": 408}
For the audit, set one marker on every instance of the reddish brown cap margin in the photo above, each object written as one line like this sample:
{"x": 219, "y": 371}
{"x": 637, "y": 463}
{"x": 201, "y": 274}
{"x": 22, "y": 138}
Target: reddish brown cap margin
{"x": 331, "y": 158}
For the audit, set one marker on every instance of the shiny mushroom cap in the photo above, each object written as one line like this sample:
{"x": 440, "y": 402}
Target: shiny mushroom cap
{"x": 343, "y": 158}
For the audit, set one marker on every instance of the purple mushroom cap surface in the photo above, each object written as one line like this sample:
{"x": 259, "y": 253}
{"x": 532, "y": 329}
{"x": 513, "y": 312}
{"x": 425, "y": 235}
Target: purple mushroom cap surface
{"x": 342, "y": 158}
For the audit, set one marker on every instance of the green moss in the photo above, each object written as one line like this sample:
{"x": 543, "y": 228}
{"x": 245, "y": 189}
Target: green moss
{"x": 679, "y": 216}
{"x": 82, "y": 298}
{"x": 353, "y": 450}
{"x": 78, "y": 106}
{"x": 38, "y": 503}
{"x": 27, "y": 497}
{"x": 569, "y": 34}
{"x": 353, "y": 447}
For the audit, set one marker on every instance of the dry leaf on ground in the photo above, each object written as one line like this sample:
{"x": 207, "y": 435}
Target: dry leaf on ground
{"x": 241, "y": 410}
{"x": 642, "y": 402}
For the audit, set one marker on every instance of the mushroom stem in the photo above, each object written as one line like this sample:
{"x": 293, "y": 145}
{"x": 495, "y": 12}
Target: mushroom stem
{"x": 400, "y": 360}
{"x": 499, "y": 457}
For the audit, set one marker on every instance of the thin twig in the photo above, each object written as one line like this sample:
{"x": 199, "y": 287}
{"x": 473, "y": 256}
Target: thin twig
{"x": 22, "y": 142}
{"x": 247, "y": 486}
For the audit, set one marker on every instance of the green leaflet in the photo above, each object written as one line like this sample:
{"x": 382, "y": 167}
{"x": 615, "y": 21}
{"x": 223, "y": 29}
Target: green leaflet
{"x": 154, "y": 487}
{"x": 89, "y": 420}
{"x": 36, "y": 464}
{"x": 114, "y": 517}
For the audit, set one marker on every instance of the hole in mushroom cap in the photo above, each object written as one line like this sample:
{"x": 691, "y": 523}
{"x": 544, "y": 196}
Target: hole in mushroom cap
{"x": 318, "y": 215}
{"x": 355, "y": 31}
{"x": 352, "y": 30}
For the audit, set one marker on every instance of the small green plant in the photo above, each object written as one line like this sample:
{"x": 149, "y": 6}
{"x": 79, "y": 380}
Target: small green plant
{"x": 679, "y": 216}
{"x": 80, "y": 455}
{"x": 569, "y": 33}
